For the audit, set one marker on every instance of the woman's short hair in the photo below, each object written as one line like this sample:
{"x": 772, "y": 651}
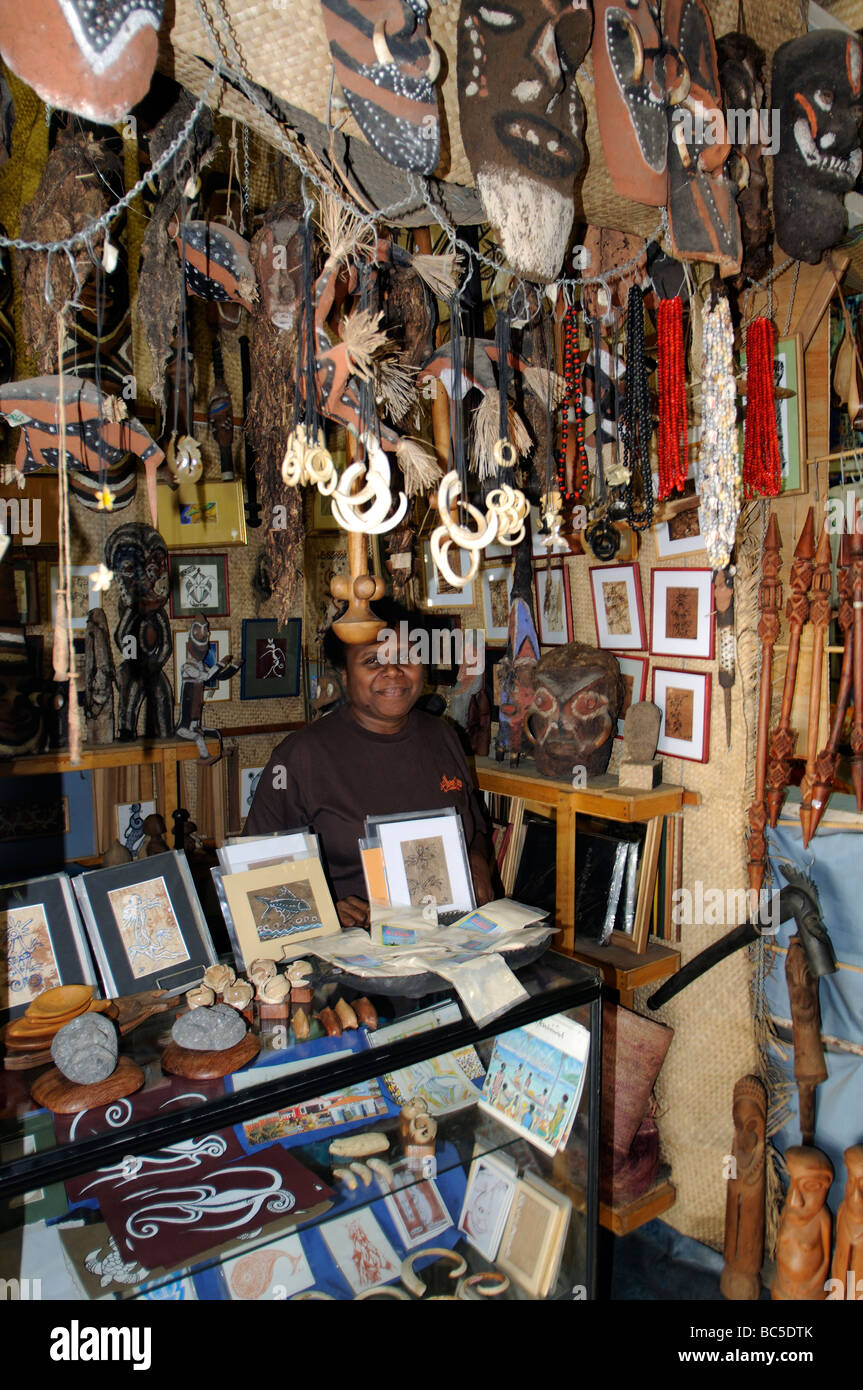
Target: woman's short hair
{"x": 388, "y": 610}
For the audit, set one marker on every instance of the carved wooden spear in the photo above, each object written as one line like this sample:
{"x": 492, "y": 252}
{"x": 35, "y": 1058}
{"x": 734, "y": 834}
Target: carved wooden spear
{"x": 856, "y": 547}
{"x": 783, "y": 738}
{"x": 770, "y": 604}
{"x": 825, "y": 763}
{"x": 819, "y": 614}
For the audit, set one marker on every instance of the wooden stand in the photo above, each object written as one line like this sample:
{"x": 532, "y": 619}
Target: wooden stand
{"x": 128, "y": 1012}
{"x": 57, "y": 1093}
{"x": 205, "y": 1066}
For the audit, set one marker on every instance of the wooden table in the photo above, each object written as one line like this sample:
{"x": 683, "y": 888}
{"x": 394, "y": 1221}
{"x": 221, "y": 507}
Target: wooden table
{"x": 621, "y": 967}
{"x": 163, "y": 753}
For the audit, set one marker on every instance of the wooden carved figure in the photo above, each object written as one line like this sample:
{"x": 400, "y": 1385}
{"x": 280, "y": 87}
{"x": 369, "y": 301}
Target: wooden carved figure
{"x": 783, "y": 737}
{"x": 848, "y": 1255}
{"x": 819, "y": 613}
{"x": 100, "y": 679}
{"x": 803, "y": 1249}
{"x": 810, "y": 1068}
{"x": 769, "y": 603}
{"x": 744, "y": 1203}
{"x": 138, "y": 558}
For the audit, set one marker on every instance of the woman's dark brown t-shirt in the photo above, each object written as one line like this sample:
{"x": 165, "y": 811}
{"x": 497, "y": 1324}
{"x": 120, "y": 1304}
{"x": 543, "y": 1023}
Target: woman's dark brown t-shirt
{"x": 334, "y": 773}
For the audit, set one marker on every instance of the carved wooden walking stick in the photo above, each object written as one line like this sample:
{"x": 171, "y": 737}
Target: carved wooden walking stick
{"x": 783, "y": 738}
{"x": 810, "y": 1069}
{"x": 819, "y": 614}
{"x": 825, "y": 763}
{"x": 770, "y": 604}
{"x": 856, "y": 547}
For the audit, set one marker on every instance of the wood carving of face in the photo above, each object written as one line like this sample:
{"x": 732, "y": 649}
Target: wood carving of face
{"x": 522, "y": 120}
{"x": 818, "y": 87}
{"x": 572, "y": 718}
{"x": 811, "y": 1174}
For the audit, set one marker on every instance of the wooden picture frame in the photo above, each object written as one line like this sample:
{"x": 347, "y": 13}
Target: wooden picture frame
{"x": 682, "y": 616}
{"x": 82, "y": 598}
{"x": 790, "y": 375}
{"x": 496, "y": 584}
{"x": 424, "y": 854}
{"x": 216, "y": 691}
{"x": 532, "y": 1242}
{"x": 491, "y": 1184}
{"x": 273, "y": 656}
{"x": 680, "y": 532}
{"x": 276, "y": 908}
{"x": 145, "y": 924}
{"x": 684, "y": 700}
{"x": 42, "y": 942}
{"x": 553, "y": 629}
{"x": 217, "y": 516}
{"x": 440, "y": 594}
{"x": 199, "y": 584}
{"x": 634, "y": 669}
{"x": 618, "y": 609}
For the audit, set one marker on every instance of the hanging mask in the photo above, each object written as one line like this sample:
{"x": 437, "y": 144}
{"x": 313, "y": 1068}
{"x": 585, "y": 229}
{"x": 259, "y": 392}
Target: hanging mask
{"x": 702, "y": 208}
{"x": 750, "y": 129}
{"x": 629, "y": 73}
{"x": 388, "y": 65}
{"x": 817, "y": 88}
{"x": 217, "y": 262}
{"x": 86, "y": 56}
{"x": 522, "y": 121}
{"x": 572, "y": 719}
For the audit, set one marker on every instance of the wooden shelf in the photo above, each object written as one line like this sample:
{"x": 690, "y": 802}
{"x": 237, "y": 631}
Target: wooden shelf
{"x": 623, "y": 1220}
{"x": 624, "y": 970}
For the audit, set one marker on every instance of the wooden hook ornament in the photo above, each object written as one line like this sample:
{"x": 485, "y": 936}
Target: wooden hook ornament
{"x": 358, "y": 590}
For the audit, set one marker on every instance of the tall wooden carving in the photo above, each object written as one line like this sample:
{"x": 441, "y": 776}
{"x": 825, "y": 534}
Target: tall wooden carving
{"x": 819, "y": 615}
{"x": 770, "y": 603}
{"x": 783, "y": 738}
{"x": 825, "y": 763}
{"x": 744, "y": 1203}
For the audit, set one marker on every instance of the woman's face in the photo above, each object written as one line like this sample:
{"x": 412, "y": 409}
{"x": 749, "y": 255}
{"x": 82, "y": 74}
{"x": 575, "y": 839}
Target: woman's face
{"x": 381, "y": 694}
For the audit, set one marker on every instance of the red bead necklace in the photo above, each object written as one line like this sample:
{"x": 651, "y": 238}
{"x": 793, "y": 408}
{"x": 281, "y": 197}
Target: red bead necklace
{"x": 671, "y": 381}
{"x": 761, "y": 463}
{"x": 573, "y": 414}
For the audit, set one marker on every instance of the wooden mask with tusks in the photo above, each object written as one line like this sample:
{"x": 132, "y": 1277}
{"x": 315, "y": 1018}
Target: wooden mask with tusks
{"x": 522, "y": 121}
{"x": 817, "y": 88}
{"x": 93, "y": 57}
{"x": 572, "y": 719}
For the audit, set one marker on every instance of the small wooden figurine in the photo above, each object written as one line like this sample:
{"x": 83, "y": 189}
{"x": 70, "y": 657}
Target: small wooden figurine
{"x": 803, "y": 1249}
{"x": 100, "y": 679}
{"x": 744, "y": 1204}
{"x": 848, "y": 1255}
{"x": 810, "y": 1068}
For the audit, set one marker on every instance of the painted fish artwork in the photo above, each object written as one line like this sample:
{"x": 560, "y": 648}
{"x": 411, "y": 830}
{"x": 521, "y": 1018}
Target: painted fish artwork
{"x": 28, "y": 965}
{"x": 148, "y": 926}
{"x": 285, "y": 910}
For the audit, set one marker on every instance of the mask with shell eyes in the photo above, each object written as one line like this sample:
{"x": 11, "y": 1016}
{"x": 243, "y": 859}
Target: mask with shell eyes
{"x": 818, "y": 88}
{"x": 572, "y": 718}
{"x": 741, "y": 73}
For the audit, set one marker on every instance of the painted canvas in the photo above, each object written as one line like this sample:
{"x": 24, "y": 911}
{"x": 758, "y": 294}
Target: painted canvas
{"x": 284, "y": 910}
{"x": 28, "y": 964}
{"x": 148, "y": 926}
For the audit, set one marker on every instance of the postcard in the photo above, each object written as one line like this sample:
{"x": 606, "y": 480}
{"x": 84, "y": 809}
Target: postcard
{"x": 535, "y": 1078}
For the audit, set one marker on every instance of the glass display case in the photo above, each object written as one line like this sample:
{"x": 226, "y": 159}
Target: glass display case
{"x": 302, "y": 1175}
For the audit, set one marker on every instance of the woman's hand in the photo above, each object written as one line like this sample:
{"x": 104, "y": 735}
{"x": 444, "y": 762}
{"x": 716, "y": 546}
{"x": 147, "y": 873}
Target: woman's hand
{"x": 354, "y": 912}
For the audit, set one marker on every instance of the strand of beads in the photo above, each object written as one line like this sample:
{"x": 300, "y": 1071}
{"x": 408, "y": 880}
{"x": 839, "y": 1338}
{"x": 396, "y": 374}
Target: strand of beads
{"x": 636, "y": 417}
{"x": 573, "y": 413}
{"x": 761, "y": 462}
{"x": 673, "y": 461}
{"x": 718, "y": 465}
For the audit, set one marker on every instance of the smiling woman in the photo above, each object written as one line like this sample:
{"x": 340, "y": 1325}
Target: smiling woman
{"x": 377, "y": 755}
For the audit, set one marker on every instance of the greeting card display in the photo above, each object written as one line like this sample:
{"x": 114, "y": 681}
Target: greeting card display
{"x": 425, "y": 858}
{"x": 41, "y": 942}
{"x": 275, "y": 907}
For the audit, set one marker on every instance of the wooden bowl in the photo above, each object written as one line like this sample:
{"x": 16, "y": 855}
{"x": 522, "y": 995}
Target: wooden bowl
{"x": 65, "y": 1001}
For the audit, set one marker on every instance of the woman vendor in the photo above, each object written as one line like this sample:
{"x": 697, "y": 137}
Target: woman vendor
{"x": 375, "y": 755}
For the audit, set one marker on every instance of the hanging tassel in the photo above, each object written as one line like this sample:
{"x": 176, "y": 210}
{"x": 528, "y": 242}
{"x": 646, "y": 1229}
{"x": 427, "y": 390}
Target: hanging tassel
{"x": 485, "y": 431}
{"x": 440, "y": 273}
{"x": 420, "y": 469}
{"x": 673, "y": 460}
{"x": 761, "y": 462}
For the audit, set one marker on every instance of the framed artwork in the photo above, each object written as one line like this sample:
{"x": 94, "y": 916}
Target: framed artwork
{"x": 553, "y": 604}
{"x": 439, "y": 593}
{"x": 634, "y": 672}
{"x": 618, "y": 610}
{"x": 425, "y": 857}
{"x": 253, "y": 851}
{"x": 83, "y": 594}
{"x": 276, "y": 906}
{"x": 532, "y": 1242}
{"x": 216, "y": 517}
{"x": 680, "y": 534}
{"x": 493, "y": 658}
{"x": 684, "y": 699}
{"x": 26, "y": 588}
{"x": 215, "y": 691}
{"x": 41, "y": 942}
{"x": 272, "y": 659}
{"x": 681, "y": 613}
{"x": 130, "y": 823}
{"x": 361, "y": 1251}
{"x": 322, "y": 514}
{"x": 496, "y": 582}
{"x": 417, "y": 1209}
{"x": 249, "y": 779}
{"x": 491, "y": 1187}
{"x": 324, "y": 559}
{"x": 145, "y": 924}
{"x": 199, "y": 584}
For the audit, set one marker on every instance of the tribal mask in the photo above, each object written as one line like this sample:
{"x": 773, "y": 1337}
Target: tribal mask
{"x": 817, "y": 87}
{"x": 629, "y": 71}
{"x": 93, "y": 57}
{"x": 522, "y": 121}
{"x": 741, "y": 74}
{"x": 572, "y": 719}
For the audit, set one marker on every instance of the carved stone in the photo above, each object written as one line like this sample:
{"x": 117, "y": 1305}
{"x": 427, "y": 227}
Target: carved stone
{"x": 803, "y": 1248}
{"x": 744, "y": 1203}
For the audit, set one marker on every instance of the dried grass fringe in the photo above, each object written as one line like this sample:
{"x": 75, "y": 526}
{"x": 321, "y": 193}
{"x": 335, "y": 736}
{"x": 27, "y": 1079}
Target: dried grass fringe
{"x": 485, "y": 432}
